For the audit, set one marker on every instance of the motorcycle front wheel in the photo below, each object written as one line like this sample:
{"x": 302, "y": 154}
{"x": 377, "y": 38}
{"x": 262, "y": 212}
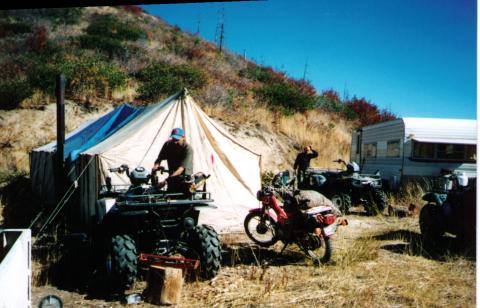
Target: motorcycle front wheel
{"x": 261, "y": 229}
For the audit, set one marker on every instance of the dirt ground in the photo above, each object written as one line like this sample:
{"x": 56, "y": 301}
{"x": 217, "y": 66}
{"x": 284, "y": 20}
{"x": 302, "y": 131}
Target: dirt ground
{"x": 377, "y": 262}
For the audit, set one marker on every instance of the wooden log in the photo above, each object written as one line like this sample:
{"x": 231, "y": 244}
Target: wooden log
{"x": 164, "y": 285}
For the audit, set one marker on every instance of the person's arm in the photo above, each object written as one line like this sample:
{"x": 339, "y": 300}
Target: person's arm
{"x": 161, "y": 156}
{"x": 179, "y": 171}
{"x": 313, "y": 154}
{"x": 186, "y": 163}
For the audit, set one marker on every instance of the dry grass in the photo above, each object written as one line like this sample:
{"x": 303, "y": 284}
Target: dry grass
{"x": 22, "y": 130}
{"x": 329, "y": 135}
{"x": 377, "y": 262}
{"x": 410, "y": 193}
{"x": 374, "y": 266}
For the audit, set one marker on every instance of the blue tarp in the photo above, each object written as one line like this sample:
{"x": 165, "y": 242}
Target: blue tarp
{"x": 99, "y": 130}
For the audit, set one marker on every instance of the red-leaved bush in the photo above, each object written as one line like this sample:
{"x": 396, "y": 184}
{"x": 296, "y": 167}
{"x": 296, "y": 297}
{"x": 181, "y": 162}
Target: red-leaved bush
{"x": 367, "y": 112}
{"x": 331, "y": 95}
{"x": 134, "y": 9}
{"x": 38, "y": 40}
{"x": 304, "y": 86}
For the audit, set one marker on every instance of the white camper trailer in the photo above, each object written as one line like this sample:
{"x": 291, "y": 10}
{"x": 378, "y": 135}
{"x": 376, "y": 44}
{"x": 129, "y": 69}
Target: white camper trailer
{"x": 416, "y": 147}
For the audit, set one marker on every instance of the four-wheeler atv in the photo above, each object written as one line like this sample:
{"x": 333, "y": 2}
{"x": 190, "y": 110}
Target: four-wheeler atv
{"x": 451, "y": 209}
{"x": 151, "y": 220}
{"x": 347, "y": 188}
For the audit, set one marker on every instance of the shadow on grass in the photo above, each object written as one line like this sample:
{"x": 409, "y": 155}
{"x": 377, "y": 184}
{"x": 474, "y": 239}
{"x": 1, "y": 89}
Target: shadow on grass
{"x": 250, "y": 254}
{"x": 413, "y": 245}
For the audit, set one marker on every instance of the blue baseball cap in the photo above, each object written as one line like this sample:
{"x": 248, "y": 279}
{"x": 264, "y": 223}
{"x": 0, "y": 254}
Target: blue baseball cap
{"x": 177, "y": 133}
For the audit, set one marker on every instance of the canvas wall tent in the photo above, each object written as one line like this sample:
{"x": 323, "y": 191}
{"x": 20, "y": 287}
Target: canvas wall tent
{"x": 234, "y": 169}
{"x": 416, "y": 147}
{"x": 42, "y": 159}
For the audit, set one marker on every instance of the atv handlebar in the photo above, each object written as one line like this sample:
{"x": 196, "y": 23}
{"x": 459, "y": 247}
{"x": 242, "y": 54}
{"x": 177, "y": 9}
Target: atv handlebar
{"x": 162, "y": 170}
{"x": 120, "y": 169}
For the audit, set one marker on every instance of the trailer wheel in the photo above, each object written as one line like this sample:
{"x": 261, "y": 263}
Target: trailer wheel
{"x": 121, "y": 262}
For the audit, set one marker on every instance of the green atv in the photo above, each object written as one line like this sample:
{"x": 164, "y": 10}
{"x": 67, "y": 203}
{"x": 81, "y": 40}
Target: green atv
{"x": 142, "y": 218}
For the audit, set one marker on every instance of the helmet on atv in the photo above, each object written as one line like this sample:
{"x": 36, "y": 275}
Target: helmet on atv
{"x": 139, "y": 176}
{"x": 462, "y": 179}
{"x": 353, "y": 167}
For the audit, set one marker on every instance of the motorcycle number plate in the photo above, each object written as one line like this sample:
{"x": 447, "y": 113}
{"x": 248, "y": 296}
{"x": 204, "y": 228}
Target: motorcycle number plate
{"x": 330, "y": 230}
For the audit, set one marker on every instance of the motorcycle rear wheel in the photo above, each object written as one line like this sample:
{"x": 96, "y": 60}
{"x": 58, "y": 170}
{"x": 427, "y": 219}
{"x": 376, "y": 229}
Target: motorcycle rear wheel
{"x": 261, "y": 229}
{"x": 322, "y": 254}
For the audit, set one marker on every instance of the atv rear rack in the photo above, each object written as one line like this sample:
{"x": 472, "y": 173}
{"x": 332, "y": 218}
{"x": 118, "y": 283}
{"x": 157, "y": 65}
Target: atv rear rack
{"x": 175, "y": 262}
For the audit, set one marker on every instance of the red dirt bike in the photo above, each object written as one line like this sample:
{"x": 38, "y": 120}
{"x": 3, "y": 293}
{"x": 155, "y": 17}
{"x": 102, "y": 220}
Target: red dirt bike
{"x": 310, "y": 229}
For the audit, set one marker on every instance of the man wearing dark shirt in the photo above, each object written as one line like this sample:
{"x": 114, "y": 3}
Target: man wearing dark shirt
{"x": 179, "y": 156}
{"x": 302, "y": 162}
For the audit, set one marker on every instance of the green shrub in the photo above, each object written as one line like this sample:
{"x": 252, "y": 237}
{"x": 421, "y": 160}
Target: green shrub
{"x": 9, "y": 29}
{"x": 56, "y": 15}
{"x": 330, "y": 105}
{"x": 63, "y": 15}
{"x": 13, "y": 92}
{"x": 110, "y": 26}
{"x": 262, "y": 74}
{"x": 285, "y": 96}
{"x": 161, "y": 78}
{"x": 107, "y": 34}
{"x": 110, "y": 46}
{"x": 267, "y": 177}
{"x": 83, "y": 75}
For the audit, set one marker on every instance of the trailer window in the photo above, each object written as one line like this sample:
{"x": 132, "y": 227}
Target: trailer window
{"x": 371, "y": 149}
{"x": 471, "y": 152}
{"x": 424, "y": 150}
{"x": 444, "y": 151}
{"x": 393, "y": 148}
{"x": 451, "y": 151}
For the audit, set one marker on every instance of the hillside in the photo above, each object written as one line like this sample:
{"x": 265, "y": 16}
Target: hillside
{"x": 115, "y": 54}
{"x": 112, "y": 55}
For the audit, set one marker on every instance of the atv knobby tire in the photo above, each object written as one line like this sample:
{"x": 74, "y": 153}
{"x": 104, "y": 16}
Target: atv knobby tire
{"x": 342, "y": 201}
{"x": 379, "y": 198}
{"x": 122, "y": 262}
{"x": 375, "y": 201}
{"x": 204, "y": 244}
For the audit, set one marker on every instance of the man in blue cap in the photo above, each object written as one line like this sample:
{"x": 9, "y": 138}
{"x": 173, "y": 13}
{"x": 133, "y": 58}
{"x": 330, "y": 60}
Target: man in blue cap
{"x": 179, "y": 156}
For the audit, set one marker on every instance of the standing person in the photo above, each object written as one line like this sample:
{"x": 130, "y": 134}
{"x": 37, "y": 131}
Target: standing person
{"x": 179, "y": 156}
{"x": 302, "y": 162}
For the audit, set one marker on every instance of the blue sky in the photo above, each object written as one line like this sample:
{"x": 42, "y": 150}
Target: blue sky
{"x": 416, "y": 58}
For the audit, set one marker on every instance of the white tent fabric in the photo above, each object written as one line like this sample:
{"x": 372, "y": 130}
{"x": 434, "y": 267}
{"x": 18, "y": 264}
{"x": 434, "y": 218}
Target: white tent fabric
{"x": 234, "y": 169}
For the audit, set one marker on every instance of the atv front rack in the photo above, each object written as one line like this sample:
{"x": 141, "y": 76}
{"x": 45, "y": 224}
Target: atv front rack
{"x": 163, "y": 199}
